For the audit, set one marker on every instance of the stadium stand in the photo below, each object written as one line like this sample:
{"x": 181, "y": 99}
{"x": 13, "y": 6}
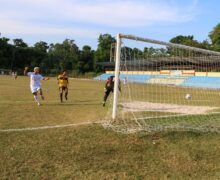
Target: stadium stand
{"x": 202, "y": 82}
{"x": 185, "y": 81}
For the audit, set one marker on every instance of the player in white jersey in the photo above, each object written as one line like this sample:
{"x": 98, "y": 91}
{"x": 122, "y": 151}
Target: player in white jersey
{"x": 35, "y": 82}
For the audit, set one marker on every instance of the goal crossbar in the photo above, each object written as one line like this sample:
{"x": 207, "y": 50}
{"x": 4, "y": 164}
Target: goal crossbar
{"x": 131, "y": 37}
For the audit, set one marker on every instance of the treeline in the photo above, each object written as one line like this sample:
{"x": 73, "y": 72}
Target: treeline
{"x": 52, "y": 58}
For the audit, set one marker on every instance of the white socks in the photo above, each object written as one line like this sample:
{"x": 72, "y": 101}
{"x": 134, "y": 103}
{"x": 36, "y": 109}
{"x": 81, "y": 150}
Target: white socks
{"x": 36, "y": 99}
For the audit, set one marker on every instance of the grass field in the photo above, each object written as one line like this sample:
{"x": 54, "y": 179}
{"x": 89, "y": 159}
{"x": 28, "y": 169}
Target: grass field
{"x": 90, "y": 151}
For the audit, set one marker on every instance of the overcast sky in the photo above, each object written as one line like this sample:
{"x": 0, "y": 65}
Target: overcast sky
{"x": 83, "y": 20}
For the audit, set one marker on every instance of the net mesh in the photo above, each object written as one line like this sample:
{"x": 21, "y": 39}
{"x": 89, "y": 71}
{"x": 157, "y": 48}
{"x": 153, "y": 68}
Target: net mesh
{"x": 167, "y": 87}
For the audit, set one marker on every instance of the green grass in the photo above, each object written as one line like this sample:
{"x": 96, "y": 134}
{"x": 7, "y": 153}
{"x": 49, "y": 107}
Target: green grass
{"x": 18, "y": 109}
{"x": 92, "y": 152}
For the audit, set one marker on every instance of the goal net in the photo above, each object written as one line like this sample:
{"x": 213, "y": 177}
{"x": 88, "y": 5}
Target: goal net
{"x": 164, "y": 86}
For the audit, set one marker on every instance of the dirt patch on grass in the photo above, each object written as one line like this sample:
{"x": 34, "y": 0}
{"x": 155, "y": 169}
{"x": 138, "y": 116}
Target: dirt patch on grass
{"x": 138, "y": 106}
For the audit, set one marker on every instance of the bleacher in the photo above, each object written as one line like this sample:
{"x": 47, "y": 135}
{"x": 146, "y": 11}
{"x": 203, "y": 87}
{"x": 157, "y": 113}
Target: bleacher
{"x": 167, "y": 80}
{"x": 138, "y": 78}
{"x": 179, "y": 80}
{"x": 202, "y": 82}
{"x": 103, "y": 77}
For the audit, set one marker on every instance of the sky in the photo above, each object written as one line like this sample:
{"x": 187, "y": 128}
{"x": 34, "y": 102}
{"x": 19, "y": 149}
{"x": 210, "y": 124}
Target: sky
{"x": 53, "y": 21}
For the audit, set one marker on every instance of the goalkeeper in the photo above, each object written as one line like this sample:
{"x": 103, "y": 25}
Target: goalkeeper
{"x": 109, "y": 87}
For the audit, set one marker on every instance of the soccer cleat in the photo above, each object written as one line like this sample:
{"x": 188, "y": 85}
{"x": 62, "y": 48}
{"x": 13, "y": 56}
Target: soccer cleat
{"x": 42, "y": 97}
{"x": 103, "y": 104}
{"x": 66, "y": 98}
{"x": 38, "y": 104}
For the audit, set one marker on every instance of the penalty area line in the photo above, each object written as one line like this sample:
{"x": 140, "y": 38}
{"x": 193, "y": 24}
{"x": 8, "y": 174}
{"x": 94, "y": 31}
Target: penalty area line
{"x": 48, "y": 127}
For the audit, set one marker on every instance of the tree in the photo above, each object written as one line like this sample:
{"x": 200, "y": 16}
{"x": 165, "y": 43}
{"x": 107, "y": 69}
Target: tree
{"x": 6, "y": 53}
{"x": 86, "y": 60}
{"x": 149, "y": 52}
{"x": 40, "y": 52}
{"x": 41, "y": 46}
{"x": 187, "y": 40}
{"x": 207, "y": 44}
{"x": 102, "y": 53}
{"x": 214, "y": 35}
{"x": 104, "y": 47}
{"x": 66, "y": 54}
{"x": 19, "y": 43}
{"x": 137, "y": 53}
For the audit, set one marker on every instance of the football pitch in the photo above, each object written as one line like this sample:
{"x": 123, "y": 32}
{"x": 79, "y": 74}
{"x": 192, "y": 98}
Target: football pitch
{"x": 66, "y": 141}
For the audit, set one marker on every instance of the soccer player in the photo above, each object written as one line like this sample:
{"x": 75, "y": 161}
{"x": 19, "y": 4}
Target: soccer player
{"x": 14, "y": 74}
{"x": 109, "y": 87}
{"x": 125, "y": 80}
{"x": 35, "y": 85}
{"x": 63, "y": 85}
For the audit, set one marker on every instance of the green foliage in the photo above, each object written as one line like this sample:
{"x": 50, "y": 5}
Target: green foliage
{"x": 102, "y": 53}
{"x": 187, "y": 40}
{"x": 214, "y": 35}
{"x": 65, "y": 54}
{"x": 6, "y": 53}
{"x": 104, "y": 46}
{"x": 51, "y": 58}
{"x": 149, "y": 52}
{"x": 86, "y": 57}
{"x": 41, "y": 46}
{"x": 19, "y": 43}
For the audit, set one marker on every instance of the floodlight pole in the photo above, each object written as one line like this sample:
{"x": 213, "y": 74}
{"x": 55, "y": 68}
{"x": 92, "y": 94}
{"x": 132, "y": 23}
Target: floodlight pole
{"x": 117, "y": 70}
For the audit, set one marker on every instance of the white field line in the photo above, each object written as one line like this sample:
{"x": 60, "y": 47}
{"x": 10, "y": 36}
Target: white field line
{"x": 90, "y": 122}
{"x": 72, "y": 125}
{"x": 48, "y": 127}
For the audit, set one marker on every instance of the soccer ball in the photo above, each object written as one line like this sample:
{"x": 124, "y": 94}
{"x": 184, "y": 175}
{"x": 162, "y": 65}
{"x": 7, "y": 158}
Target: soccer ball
{"x": 188, "y": 96}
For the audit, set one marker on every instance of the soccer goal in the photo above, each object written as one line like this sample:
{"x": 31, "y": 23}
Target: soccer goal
{"x": 164, "y": 86}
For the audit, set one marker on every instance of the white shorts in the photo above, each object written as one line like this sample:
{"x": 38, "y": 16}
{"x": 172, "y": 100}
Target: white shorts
{"x": 34, "y": 89}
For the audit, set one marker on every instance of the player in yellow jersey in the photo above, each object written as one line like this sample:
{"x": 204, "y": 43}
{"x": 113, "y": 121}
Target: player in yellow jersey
{"x": 63, "y": 85}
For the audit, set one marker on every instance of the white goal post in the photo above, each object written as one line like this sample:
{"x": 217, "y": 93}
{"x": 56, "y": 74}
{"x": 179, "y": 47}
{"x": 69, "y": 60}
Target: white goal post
{"x": 117, "y": 70}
